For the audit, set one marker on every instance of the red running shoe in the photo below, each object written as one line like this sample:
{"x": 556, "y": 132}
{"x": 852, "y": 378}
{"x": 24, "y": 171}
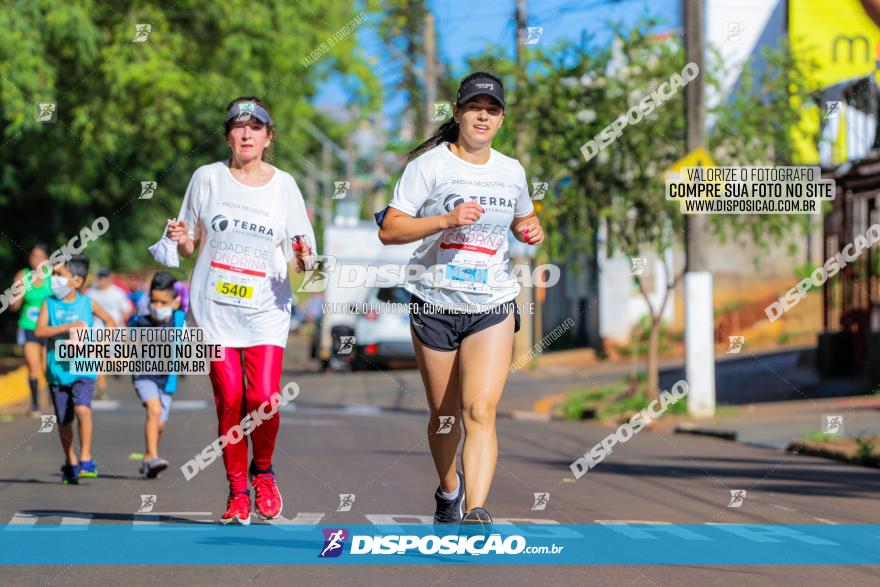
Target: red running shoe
{"x": 238, "y": 509}
{"x": 266, "y": 496}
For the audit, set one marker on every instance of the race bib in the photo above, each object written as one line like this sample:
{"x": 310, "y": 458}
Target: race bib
{"x": 471, "y": 275}
{"x": 234, "y": 287}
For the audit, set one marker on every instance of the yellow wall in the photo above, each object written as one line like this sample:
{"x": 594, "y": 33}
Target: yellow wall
{"x": 844, "y": 42}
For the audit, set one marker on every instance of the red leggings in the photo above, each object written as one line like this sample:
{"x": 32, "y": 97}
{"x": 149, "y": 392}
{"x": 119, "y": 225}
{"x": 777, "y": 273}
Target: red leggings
{"x": 262, "y": 367}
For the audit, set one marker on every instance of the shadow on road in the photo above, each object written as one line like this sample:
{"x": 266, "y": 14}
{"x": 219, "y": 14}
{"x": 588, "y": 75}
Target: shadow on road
{"x": 112, "y": 517}
{"x": 788, "y": 476}
{"x": 770, "y": 377}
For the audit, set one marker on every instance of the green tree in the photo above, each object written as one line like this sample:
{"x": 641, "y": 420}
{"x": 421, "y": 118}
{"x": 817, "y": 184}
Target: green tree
{"x": 134, "y": 111}
{"x": 402, "y": 30}
{"x": 574, "y": 91}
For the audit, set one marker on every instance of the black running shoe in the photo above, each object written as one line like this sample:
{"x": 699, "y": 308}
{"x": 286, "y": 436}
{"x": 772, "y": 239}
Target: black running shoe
{"x": 154, "y": 467}
{"x": 449, "y": 510}
{"x": 477, "y": 521}
{"x": 70, "y": 474}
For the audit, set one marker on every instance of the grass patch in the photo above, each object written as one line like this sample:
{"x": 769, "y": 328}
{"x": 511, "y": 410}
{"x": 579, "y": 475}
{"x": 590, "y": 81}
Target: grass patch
{"x": 730, "y": 306}
{"x": 785, "y": 337}
{"x": 865, "y": 448}
{"x": 641, "y": 334}
{"x": 10, "y": 350}
{"x": 617, "y": 401}
{"x": 576, "y": 400}
{"x": 725, "y": 411}
{"x": 624, "y": 408}
{"x": 818, "y": 436}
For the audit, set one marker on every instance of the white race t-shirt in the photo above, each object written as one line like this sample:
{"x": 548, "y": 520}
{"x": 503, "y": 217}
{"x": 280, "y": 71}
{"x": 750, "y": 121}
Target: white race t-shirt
{"x": 240, "y": 290}
{"x": 113, "y": 299}
{"x": 467, "y": 269}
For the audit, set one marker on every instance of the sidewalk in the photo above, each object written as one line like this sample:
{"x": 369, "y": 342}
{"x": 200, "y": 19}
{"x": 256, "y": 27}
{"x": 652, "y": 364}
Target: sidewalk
{"x": 777, "y": 424}
{"x": 15, "y": 391}
{"x": 769, "y": 399}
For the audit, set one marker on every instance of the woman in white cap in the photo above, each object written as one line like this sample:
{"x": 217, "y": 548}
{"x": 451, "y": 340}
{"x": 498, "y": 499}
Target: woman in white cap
{"x": 248, "y": 220}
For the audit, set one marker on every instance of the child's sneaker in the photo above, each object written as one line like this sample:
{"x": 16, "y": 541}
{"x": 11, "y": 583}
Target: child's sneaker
{"x": 88, "y": 468}
{"x": 238, "y": 509}
{"x": 70, "y": 474}
{"x": 151, "y": 469}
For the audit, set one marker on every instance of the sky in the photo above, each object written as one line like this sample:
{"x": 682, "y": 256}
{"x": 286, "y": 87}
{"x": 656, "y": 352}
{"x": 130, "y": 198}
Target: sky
{"x": 468, "y": 27}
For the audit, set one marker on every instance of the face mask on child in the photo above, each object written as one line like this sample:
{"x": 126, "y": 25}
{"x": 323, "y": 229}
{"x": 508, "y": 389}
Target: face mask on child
{"x": 60, "y": 286}
{"x": 161, "y": 314}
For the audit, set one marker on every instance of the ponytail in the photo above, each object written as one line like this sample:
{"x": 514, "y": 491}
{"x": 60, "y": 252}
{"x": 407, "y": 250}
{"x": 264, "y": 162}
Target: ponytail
{"x": 448, "y": 132}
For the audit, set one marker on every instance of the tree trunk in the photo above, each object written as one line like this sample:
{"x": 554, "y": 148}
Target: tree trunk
{"x": 652, "y": 389}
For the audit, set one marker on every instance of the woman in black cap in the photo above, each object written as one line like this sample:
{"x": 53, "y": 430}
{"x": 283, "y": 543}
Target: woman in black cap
{"x": 461, "y": 198}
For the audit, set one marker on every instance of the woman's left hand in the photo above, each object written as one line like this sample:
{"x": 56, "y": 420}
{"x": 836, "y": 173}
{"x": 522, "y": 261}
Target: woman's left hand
{"x": 302, "y": 252}
{"x": 529, "y": 232}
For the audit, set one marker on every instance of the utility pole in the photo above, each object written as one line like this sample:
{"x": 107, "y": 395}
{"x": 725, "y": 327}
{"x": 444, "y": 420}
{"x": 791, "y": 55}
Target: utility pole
{"x": 354, "y": 191}
{"x": 415, "y": 10}
{"x": 326, "y": 205}
{"x": 698, "y": 303}
{"x": 430, "y": 77}
{"x": 520, "y": 16}
{"x": 523, "y": 339}
{"x": 380, "y": 176}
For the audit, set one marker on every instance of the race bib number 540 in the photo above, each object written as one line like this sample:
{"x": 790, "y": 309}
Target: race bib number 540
{"x": 233, "y": 288}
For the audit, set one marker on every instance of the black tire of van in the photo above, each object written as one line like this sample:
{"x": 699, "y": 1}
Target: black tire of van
{"x": 336, "y": 334}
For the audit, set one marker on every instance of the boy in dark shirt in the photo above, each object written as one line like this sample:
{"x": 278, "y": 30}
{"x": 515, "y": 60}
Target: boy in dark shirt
{"x": 155, "y": 391}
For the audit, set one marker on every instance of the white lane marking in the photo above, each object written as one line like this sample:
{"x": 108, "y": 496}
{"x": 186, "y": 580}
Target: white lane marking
{"x": 398, "y": 519}
{"x": 31, "y": 518}
{"x": 109, "y": 405}
{"x": 179, "y": 514}
{"x": 67, "y": 518}
{"x": 301, "y": 519}
{"x": 189, "y": 404}
{"x": 105, "y": 405}
{"x": 619, "y": 522}
{"x": 528, "y": 416}
{"x": 362, "y": 410}
{"x": 310, "y": 422}
{"x": 155, "y": 518}
{"x": 23, "y": 519}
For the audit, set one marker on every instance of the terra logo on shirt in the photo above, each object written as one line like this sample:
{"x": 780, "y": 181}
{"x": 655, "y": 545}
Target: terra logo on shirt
{"x": 453, "y": 200}
{"x": 220, "y": 223}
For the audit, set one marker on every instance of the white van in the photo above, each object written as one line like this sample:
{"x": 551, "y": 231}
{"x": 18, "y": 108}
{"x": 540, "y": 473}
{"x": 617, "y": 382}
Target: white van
{"x": 382, "y": 332}
{"x": 352, "y": 248}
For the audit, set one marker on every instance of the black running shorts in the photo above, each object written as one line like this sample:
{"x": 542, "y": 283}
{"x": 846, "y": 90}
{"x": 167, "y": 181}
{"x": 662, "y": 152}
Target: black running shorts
{"x": 444, "y": 330}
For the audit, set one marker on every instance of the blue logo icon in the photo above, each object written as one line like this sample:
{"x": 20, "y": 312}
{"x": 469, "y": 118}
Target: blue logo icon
{"x": 334, "y": 540}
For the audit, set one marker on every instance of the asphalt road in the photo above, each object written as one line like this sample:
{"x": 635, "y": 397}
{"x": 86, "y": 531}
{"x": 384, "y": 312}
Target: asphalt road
{"x": 381, "y": 456}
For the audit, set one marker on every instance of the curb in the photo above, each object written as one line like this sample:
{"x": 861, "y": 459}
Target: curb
{"x": 802, "y": 448}
{"x": 14, "y": 389}
{"x": 687, "y": 428}
{"x": 529, "y": 416}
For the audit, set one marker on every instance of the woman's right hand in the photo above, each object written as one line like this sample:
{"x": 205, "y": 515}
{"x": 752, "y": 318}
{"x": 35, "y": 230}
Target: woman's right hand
{"x": 462, "y": 215}
{"x": 178, "y": 232}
